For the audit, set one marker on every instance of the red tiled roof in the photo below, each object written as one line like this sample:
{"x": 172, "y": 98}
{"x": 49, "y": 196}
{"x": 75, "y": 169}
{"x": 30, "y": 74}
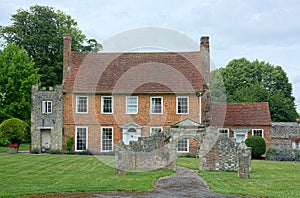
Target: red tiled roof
{"x": 134, "y": 72}
{"x": 240, "y": 114}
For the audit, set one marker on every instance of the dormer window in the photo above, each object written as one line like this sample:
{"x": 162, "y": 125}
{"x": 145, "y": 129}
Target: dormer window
{"x": 46, "y": 107}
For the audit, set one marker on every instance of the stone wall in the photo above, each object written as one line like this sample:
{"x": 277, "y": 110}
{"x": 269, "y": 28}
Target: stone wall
{"x": 218, "y": 152}
{"x": 148, "y": 153}
{"x": 284, "y": 133}
{"x": 52, "y": 121}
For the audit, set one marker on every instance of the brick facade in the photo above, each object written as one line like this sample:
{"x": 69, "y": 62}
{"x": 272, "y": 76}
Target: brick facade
{"x": 94, "y": 119}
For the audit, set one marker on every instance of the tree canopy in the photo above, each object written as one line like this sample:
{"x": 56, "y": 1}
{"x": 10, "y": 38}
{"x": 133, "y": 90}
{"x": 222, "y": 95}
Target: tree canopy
{"x": 17, "y": 75}
{"x": 256, "y": 81}
{"x": 39, "y": 31}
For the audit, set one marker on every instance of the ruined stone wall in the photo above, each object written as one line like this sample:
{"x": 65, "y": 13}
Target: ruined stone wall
{"x": 148, "y": 153}
{"x": 284, "y": 133}
{"x": 218, "y": 152}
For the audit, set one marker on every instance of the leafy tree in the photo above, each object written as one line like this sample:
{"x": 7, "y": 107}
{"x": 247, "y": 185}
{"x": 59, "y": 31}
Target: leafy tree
{"x": 14, "y": 129}
{"x": 17, "y": 75}
{"x": 258, "y": 146}
{"x": 39, "y": 31}
{"x": 256, "y": 81}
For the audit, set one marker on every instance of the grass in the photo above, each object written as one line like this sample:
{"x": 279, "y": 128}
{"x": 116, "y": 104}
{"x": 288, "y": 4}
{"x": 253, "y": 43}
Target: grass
{"x": 267, "y": 179}
{"x": 46, "y": 174}
{"x": 23, "y": 147}
{"x": 191, "y": 163}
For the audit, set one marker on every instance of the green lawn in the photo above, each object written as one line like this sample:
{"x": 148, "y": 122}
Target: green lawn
{"x": 44, "y": 174}
{"x": 23, "y": 147}
{"x": 267, "y": 178}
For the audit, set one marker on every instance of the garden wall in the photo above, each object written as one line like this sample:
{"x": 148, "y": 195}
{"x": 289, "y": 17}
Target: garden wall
{"x": 284, "y": 134}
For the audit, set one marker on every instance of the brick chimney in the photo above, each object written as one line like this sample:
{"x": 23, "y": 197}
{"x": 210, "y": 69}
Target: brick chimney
{"x": 67, "y": 53}
{"x": 204, "y": 42}
{"x": 205, "y": 71}
{"x": 205, "y": 59}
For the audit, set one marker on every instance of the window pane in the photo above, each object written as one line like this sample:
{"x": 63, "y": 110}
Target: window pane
{"x": 49, "y": 107}
{"x": 182, "y": 105}
{"x": 156, "y": 105}
{"x": 182, "y": 145}
{"x": 81, "y": 104}
{"x": 46, "y": 106}
{"x": 106, "y": 104}
{"x": 225, "y": 131}
{"x": 107, "y": 139}
{"x": 132, "y": 104}
{"x": 81, "y": 139}
{"x": 257, "y": 132}
{"x": 155, "y": 130}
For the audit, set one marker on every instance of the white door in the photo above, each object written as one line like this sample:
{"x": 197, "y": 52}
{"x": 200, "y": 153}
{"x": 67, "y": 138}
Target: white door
{"x": 131, "y": 134}
{"x": 46, "y": 138}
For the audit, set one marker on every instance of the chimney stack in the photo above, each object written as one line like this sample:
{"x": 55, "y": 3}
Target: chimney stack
{"x": 204, "y": 42}
{"x": 205, "y": 72}
{"x": 205, "y": 59}
{"x": 67, "y": 53}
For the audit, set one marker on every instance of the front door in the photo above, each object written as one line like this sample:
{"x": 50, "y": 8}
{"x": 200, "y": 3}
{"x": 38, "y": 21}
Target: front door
{"x": 46, "y": 138}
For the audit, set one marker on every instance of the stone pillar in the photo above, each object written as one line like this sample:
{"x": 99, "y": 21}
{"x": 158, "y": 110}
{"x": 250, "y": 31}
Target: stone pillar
{"x": 244, "y": 160}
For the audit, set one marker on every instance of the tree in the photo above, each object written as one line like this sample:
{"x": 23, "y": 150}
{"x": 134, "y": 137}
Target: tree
{"x": 14, "y": 129}
{"x": 17, "y": 75}
{"x": 256, "y": 81}
{"x": 39, "y": 31}
{"x": 258, "y": 146}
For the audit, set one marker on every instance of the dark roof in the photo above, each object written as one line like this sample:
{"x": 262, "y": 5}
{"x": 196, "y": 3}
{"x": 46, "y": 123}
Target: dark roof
{"x": 240, "y": 114}
{"x": 134, "y": 72}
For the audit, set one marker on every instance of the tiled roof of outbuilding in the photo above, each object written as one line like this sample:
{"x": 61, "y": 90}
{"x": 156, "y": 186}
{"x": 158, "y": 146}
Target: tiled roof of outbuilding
{"x": 240, "y": 114}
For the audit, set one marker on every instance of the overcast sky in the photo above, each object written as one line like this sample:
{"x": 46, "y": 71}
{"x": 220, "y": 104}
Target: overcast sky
{"x": 267, "y": 30}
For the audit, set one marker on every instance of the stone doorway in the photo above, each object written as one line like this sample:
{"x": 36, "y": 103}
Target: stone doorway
{"x": 45, "y": 139}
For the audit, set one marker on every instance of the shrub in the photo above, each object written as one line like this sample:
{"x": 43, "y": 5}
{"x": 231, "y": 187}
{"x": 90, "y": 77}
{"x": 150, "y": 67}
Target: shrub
{"x": 4, "y": 142}
{"x": 14, "y": 130}
{"x": 69, "y": 146}
{"x": 258, "y": 146}
{"x": 85, "y": 152}
{"x": 283, "y": 154}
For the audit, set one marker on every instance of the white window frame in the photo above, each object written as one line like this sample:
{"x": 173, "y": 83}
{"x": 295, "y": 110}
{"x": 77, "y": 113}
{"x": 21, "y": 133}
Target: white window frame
{"x": 102, "y": 104}
{"x": 188, "y": 145}
{"x": 87, "y": 137}
{"x": 296, "y": 145}
{"x": 162, "y": 104}
{"x": 154, "y": 128}
{"x": 112, "y": 140}
{"x": 220, "y": 129}
{"x": 87, "y": 104}
{"x": 188, "y": 104}
{"x": 262, "y": 133}
{"x": 241, "y": 133}
{"x": 45, "y": 107}
{"x": 137, "y": 104}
